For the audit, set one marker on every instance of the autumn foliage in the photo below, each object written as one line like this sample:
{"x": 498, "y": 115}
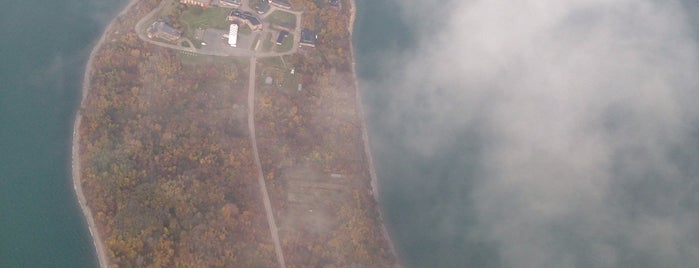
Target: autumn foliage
{"x": 167, "y": 164}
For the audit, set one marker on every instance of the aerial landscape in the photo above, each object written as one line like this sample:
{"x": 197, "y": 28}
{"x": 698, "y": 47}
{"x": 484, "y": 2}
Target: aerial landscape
{"x": 227, "y": 134}
{"x": 349, "y": 133}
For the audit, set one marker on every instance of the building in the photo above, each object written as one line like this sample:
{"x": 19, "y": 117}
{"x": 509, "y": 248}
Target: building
{"x": 281, "y": 4}
{"x": 262, "y": 7}
{"x": 308, "y": 38}
{"x": 229, "y": 3}
{"x": 281, "y": 37}
{"x": 248, "y": 18}
{"x": 233, "y": 35}
{"x": 201, "y": 3}
{"x": 162, "y": 30}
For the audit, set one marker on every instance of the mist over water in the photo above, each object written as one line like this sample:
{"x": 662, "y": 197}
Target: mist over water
{"x": 557, "y": 133}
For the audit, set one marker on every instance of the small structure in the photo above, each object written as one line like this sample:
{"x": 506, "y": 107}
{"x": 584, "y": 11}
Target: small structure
{"x": 282, "y": 35}
{"x": 334, "y": 3}
{"x": 269, "y": 80}
{"x": 262, "y": 7}
{"x": 308, "y": 38}
{"x": 281, "y": 4}
{"x": 248, "y": 18}
{"x": 201, "y": 3}
{"x": 229, "y": 3}
{"x": 162, "y": 30}
{"x": 233, "y": 35}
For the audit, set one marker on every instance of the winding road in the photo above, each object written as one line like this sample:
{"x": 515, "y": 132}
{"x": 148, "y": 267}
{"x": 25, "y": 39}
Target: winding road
{"x": 260, "y": 176}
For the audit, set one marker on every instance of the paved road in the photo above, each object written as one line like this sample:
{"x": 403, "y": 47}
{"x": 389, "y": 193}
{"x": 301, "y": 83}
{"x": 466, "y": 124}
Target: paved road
{"x": 260, "y": 176}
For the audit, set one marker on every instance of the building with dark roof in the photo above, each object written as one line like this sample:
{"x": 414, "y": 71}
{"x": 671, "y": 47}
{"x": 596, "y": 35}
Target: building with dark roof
{"x": 229, "y": 3}
{"x": 281, "y": 37}
{"x": 308, "y": 38}
{"x": 248, "y": 18}
{"x": 201, "y": 3}
{"x": 262, "y": 7}
{"x": 281, "y": 4}
{"x": 162, "y": 30}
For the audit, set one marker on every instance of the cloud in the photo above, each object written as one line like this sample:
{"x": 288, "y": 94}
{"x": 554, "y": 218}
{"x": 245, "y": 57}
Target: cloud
{"x": 586, "y": 122}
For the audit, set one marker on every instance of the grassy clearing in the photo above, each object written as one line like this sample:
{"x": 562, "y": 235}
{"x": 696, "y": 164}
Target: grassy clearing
{"x": 244, "y": 29}
{"x": 267, "y": 43}
{"x": 281, "y": 74}
{"x": 196, "y": 17}
{"x": 283, "y": 18}
{"x": 287, "y": 44}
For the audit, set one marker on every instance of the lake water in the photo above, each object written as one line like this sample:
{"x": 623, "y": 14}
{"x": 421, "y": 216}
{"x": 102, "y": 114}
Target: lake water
{"x": 44, "y": 49}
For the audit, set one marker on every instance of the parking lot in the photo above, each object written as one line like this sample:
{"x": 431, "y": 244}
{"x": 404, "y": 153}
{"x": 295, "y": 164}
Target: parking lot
{"x": 217, "y": 44}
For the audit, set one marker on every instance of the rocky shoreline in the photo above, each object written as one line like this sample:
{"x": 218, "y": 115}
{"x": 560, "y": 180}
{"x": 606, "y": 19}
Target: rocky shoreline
{"x": 365, "y": 134}
{"x": 102, "y": 257}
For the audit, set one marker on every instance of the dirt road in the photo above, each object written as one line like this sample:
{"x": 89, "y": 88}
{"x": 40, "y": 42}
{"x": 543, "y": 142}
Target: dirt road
{"x": 260, "y": 176}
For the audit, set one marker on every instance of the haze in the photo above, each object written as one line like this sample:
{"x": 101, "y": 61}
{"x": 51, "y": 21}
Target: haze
{"x": 550, "y": 133}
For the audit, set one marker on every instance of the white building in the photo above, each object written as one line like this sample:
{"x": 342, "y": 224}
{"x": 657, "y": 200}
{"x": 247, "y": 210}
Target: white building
{"x": 233, "y": 35}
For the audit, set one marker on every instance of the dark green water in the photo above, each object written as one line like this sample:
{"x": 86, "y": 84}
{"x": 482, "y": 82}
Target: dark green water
{"x": 44, "y": 49}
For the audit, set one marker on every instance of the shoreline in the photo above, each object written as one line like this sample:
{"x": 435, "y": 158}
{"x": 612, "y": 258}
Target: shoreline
{"x": 365, "y": 135}
{"x": 100, "y": 251}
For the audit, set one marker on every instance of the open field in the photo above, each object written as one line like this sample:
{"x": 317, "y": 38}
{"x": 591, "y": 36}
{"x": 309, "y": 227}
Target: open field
{"x": 196, "y": 17}
{"x": 282, "y": 18}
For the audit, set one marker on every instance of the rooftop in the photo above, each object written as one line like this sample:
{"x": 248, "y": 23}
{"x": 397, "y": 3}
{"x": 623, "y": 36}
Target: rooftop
{"x": 254, "y": 20}
{"x": 308, "y": 37}
{"x": 234, "y": 3}
{"x": 281, "y": 37}
{"x": 282, "y": 3}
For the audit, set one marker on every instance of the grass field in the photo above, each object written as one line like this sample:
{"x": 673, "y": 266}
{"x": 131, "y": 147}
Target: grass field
{"x": 283, "y": 18}
{"x": 196, "y": 17}
{"x": 267, "y": 42}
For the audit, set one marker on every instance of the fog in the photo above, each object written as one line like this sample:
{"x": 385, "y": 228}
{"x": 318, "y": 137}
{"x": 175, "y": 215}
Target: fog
{"x": 549, "y": 133}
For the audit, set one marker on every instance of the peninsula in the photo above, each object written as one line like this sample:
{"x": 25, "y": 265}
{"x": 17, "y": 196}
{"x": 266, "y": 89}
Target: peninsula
{"x": 228, "y": 133}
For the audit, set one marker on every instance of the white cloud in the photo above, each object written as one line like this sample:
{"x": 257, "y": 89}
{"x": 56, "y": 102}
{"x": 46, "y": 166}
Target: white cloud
{"x": 586, "y": 104}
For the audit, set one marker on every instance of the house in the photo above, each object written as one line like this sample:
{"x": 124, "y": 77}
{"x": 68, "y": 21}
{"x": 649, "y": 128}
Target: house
{"x": 308, "y": 38}
{"x": 281, "y": 4}
{"x": 201, "y": 3}
{"x": 162, "y": 30}
{"x": 262, "y": 7}
{"x": 229, "y": 3}
{"x": 248, "y": 18}
{"x": 281, "y": 37}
